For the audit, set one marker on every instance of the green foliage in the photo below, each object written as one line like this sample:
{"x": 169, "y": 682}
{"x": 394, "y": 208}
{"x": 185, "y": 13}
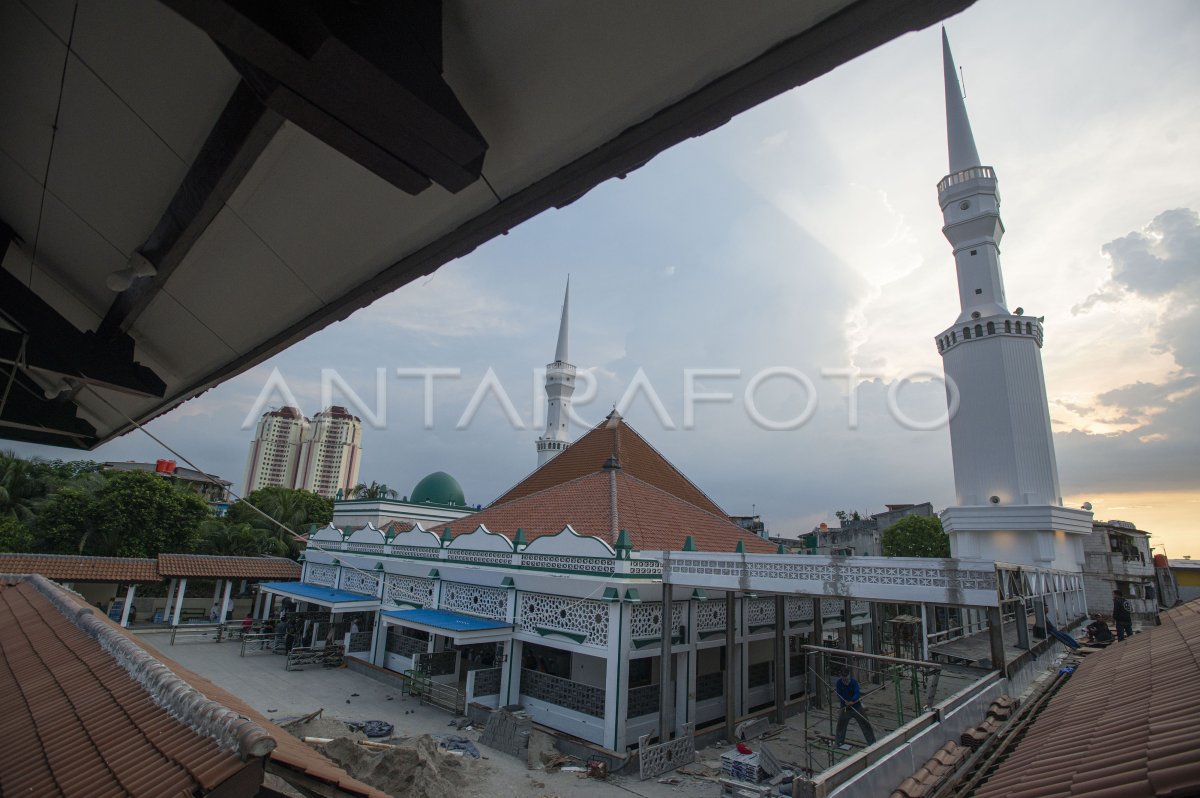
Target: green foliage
{"x": 376, "y": 490}
{"x": 297, "y": 510}
{"x": 843, "y": 517}
{"x": 14, "y": 535}
{"x": 238, "y": 540}
{"x": 24, "y": 485}
{"x": 915, "y": 536}
{"x": 129, "y": 514}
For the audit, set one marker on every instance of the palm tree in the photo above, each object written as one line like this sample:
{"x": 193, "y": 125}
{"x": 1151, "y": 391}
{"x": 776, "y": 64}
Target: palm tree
{"x": 238, "y": 540}
{"x": 376, "y": 490}
{"x": 288, "y": 509}
{"x": 22, "y": 488}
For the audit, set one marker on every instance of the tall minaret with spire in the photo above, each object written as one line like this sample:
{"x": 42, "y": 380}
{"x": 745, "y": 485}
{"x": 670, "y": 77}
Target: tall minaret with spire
{"x": 1009, "y": 505}
{"x": 560, "y": 385}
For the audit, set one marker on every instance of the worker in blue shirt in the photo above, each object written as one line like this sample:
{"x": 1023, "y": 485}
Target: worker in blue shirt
{"x": 850, "y": 698}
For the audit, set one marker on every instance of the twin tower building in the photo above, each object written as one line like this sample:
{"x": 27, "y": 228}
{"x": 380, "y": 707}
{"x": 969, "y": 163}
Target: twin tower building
{"x": 1008, "y": 506}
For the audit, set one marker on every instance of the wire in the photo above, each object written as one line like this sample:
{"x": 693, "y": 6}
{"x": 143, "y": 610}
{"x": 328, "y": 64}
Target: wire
{"x": 208, "y": 477}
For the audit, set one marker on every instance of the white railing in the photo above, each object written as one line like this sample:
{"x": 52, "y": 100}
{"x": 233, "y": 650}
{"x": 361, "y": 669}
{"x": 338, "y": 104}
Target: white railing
{"x": 973, "y": 173}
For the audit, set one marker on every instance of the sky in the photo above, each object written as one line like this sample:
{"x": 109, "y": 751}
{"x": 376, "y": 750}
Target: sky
{"x": 799, "y": 244}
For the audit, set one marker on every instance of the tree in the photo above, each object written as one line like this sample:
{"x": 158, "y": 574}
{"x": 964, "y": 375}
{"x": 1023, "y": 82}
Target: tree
{"x": 376, "y": 490}
{"x": 14, "y": 535}
{"x": 23, "y": 487}
{"x": 916, "y": 536}
{"x": 844, "y": 517}
{"x": 130, "y": 514}
{"x": 238, "y": 540}
{"x": 297, "y": 510}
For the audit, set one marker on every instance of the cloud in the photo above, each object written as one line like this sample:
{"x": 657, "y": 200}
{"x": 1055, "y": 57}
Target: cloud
{"x": 1159, "y": 263}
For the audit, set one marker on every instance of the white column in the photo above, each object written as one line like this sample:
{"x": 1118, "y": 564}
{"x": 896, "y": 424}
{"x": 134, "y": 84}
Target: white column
{"x": 216, "y": 590}
{"x": 225, "y": 600}
{"x": 166, "y": 613}
{"x": 128, "y": 603}
{"x": 924, "y": 633}
{"x": 179, "y": 601}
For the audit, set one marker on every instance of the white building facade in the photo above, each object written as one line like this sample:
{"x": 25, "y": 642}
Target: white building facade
{"x": 275, "y": 450}
{"x": 1008, "y": 501}
{"x": 331, "y": 453}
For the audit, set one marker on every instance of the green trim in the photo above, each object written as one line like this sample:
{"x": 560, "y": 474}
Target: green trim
{"x": 699, "y": 595}
{"x": 610, "y": 595}
{"x": 548, "y": 632}
{"x": 689, "y": 544}
{"x": 741, "y": 547}
{"x": 519, "y": 539}
{"x": 434, "y": 574}
{"x": 508, "y": 582}
{"x": 453, "y": 561}
{"x": 632, "y": 596}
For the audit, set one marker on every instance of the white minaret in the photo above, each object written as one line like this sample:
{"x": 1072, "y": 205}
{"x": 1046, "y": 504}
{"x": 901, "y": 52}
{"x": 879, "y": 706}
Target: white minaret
{"x": 560, "y": 384}
{"x": 1009, "y": 506}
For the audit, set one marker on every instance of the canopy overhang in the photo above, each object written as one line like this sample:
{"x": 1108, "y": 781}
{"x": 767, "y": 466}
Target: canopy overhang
{"x": 336, "y": 600}
{"x": 462, "y": 629}
{"x": 187, "y": 188}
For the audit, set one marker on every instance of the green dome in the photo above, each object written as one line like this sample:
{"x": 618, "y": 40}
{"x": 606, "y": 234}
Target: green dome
{"x": 439, "y": 488}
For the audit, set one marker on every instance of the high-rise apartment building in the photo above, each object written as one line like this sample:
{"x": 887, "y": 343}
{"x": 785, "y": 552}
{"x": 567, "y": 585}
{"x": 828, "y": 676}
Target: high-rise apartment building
{"x": 275, "y": 450}
{"x": 331, "y": 453}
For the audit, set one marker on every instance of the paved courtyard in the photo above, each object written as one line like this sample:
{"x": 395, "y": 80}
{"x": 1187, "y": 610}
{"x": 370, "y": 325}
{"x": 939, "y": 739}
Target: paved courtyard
{"x": 261, "y": 681}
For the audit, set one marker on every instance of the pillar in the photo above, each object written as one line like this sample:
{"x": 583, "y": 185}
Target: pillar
{"x": 216, "y": 591}
{"x": 666, "y": 672}
{"x": 817, "y": 669}
{"x": 179, "y": 601}
{"x": 996, "y": 636}
{"x": 730, "y": 664}
{"x": 225, "y": 600}
{"x": 166, "y": 613}
{"x": 1039, "y": 617}
{"x": 129, "y": 591}
{"x": 1022, "y": 624}
{"x": 924, "y": 632}
{"x": 847, "y": 629}
{"x": 781, "y": 659}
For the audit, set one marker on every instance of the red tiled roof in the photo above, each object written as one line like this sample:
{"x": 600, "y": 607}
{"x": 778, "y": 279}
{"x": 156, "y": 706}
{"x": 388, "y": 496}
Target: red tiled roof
{"x": 290, "y": 751}
{"x": 76, "y": 724}
{"x": 72, "y": 568}
{"x": 205, "y": 565}
{"x": 655, "y": 519}
{"x": 396, "y": 527}
{"x": 1123, "y": 725}
{"x": 612, "y": 437}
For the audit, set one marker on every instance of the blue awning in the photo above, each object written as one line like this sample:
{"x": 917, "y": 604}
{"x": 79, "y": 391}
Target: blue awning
{"x": 336, "y": 599}
{"x": 461, "y": 627}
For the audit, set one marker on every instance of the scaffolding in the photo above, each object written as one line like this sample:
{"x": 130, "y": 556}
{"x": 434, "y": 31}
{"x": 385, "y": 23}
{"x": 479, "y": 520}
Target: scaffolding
{"x": 894, "y": 691}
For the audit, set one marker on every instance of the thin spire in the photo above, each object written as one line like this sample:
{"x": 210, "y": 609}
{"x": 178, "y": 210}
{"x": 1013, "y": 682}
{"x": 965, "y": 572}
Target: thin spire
{"x": 961, "y": 143}
{"x": 560, "y": 354}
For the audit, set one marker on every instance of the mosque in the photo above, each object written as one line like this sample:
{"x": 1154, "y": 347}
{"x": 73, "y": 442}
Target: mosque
{"x": 616, "y": 603}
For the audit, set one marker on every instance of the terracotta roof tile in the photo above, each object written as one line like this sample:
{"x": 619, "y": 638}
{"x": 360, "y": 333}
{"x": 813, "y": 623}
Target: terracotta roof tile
{"x": 76, "y": 723}
{"x": 637, "y": 457}
{"x": 72, "y": 568}
{"x": 83, "y": 710}
{"x": 1123, "y": 725}
{"x": 205, "y": 565}
{"x": 655, "y": 519}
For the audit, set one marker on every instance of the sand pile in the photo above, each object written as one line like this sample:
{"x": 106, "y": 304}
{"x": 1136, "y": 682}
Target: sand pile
{"x": 324, "y": 727}
{"x": 417, "y": 769}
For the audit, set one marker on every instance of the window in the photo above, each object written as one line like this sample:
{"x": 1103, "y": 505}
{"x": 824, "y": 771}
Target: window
{"x": 1008, "y": 325}
{"x": 991, "y": 328}
{"x": 966, "y": 333}
{"x": 1028, "y": 327}
{"x": 978, "y": 330}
